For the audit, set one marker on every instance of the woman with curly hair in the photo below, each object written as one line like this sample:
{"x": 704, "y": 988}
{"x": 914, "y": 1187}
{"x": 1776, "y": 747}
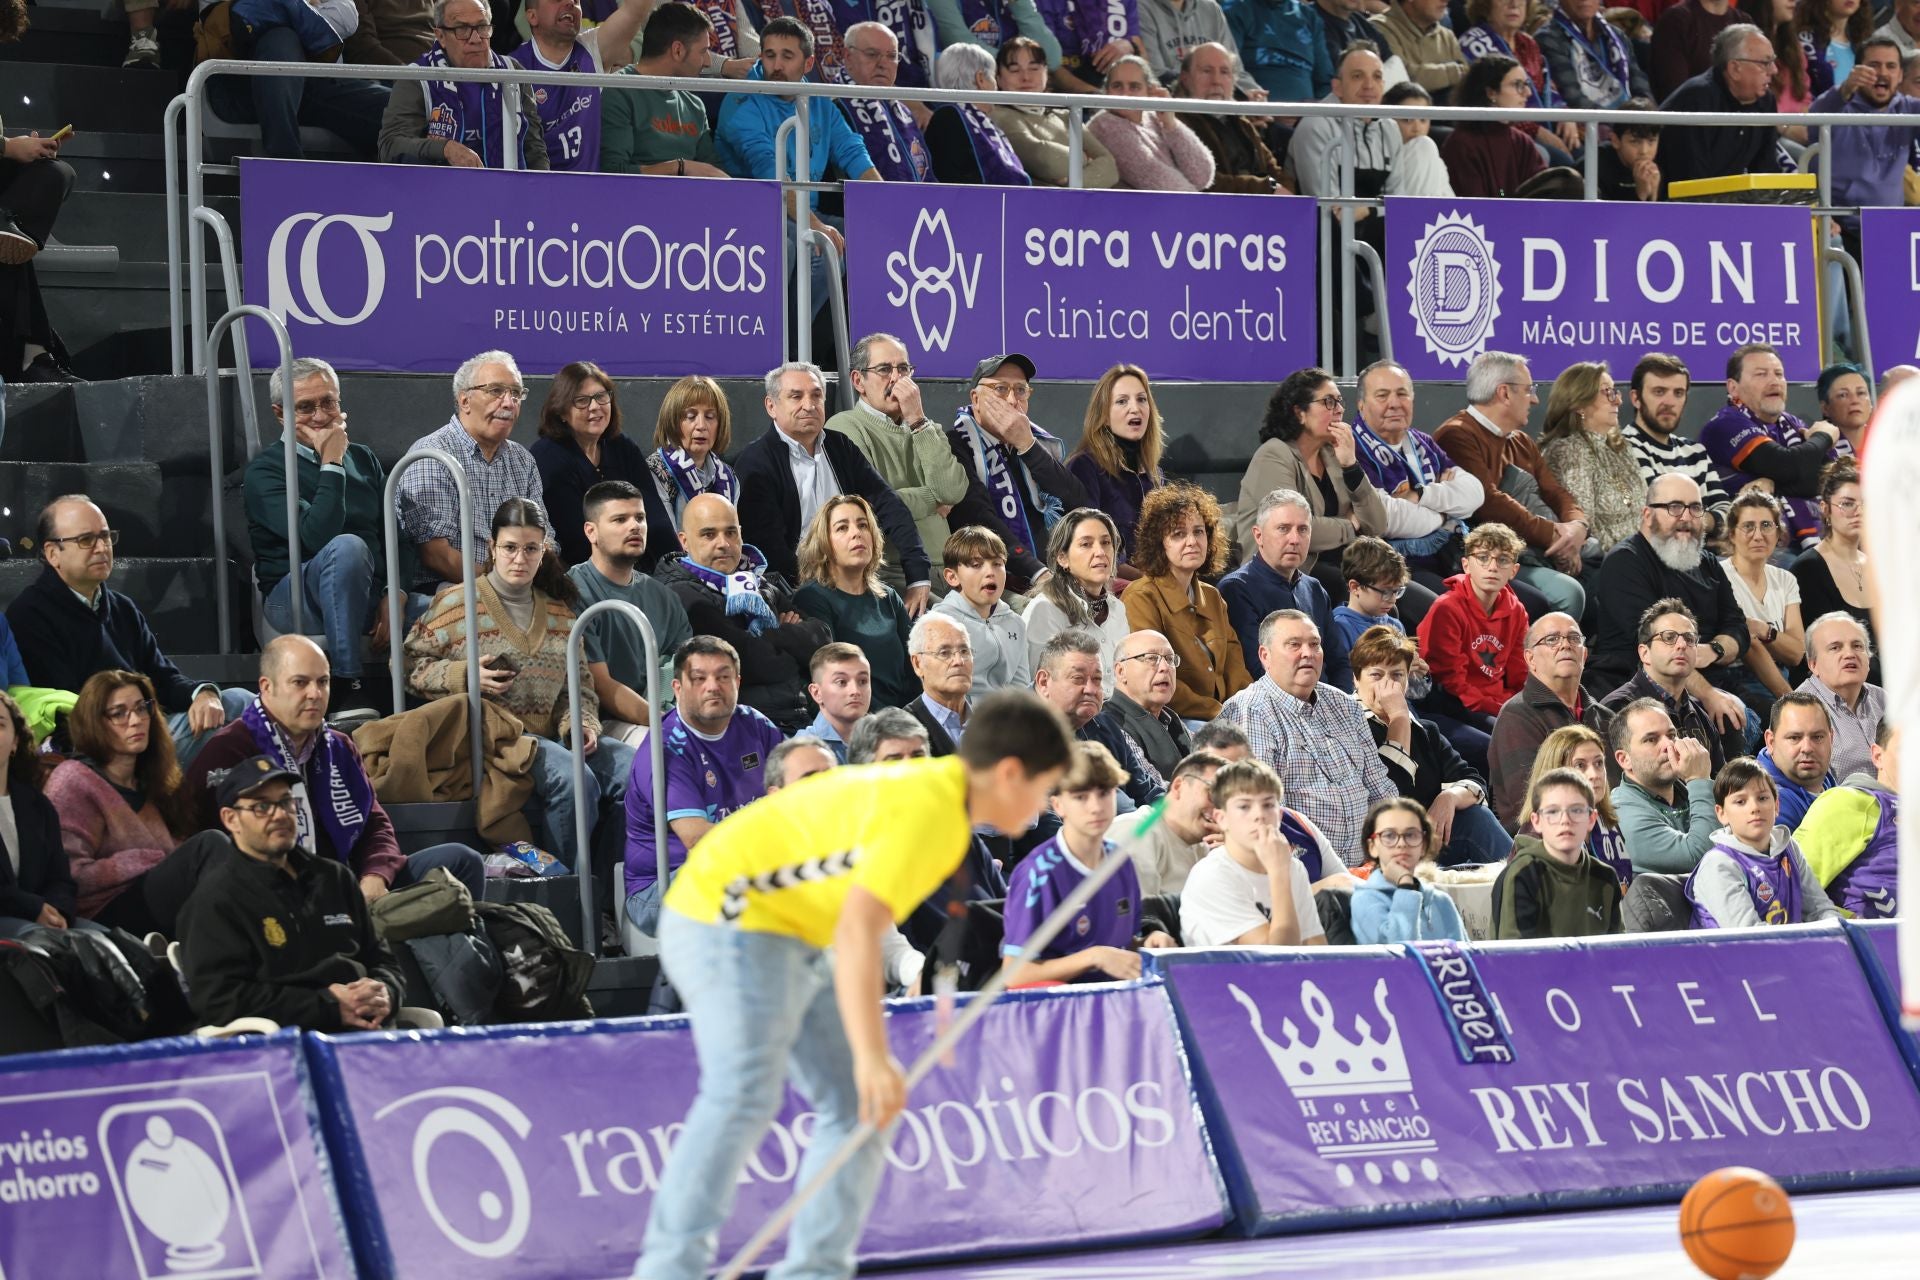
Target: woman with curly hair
{"x": 1307, "y": 446}
{"x": 1830, "y": 34}
{"x": 1178, "y": 543}
{"x": 1118, "y": 457}
{"x": 840, "y": 572}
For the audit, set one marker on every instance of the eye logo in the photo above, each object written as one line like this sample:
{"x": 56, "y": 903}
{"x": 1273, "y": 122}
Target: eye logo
{"x": 470, "y": 1122}
{"x": 940, "y": 285}
{"x": 1454, "y": 286}
{"x": 282, "y": 299}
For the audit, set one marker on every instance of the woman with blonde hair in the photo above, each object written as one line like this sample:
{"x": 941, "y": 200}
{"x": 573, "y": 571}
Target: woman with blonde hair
{"x": 1180, "y": 543}
{"x": 1118, "y": 457}
{"x": 1579, "y": 748}
{"x": 692, "y": 432}
{"x": 840, "y": 575}
{"x": 1581, "y": 441}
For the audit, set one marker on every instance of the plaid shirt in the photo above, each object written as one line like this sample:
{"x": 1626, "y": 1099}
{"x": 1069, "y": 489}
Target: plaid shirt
{"x": 1323, "y": 752}
{"x": 430, "y": 505}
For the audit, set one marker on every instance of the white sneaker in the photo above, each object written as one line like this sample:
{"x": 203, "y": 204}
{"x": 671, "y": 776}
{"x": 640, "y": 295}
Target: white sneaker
{"x": 143, "y": 50}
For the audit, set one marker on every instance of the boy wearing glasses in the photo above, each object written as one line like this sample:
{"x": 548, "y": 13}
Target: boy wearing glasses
{"x": 1552, "y": 887}
{"x": 1474, "y": 637}
{"x": 275, "y": 931}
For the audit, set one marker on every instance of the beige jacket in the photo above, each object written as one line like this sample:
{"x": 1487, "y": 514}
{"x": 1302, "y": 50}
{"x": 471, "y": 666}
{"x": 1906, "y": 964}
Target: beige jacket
{"x": 1041, "y": 140}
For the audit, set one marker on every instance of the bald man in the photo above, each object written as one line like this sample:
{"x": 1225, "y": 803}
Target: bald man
{"x": 728, "y": 591}
{"x": 337, "y": 814}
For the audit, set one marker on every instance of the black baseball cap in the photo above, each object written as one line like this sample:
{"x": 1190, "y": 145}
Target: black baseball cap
{"x": 993, "y": 364}
{"x": 249, "y": 776}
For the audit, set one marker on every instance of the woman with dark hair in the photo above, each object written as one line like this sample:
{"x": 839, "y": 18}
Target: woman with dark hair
{"x": 1307, "y": 445}
{"x": 1179, "y": 543}
{"x": 122, "y": 808}
{"x": 840, "y": 559}
{"x": 36, "y": 883}
{"x": 1500, "y": 27}
{"x": 579, "y": 446}
{"x": 1391, "y": 905}
{"x": 1833, "y": 572}
{"x": 1083, "y": 554}
{"x": 1118, "y": 457}
{"x": 1490, "y": 157}
{"x": 523, "y": 602}
{"x": 1830, "y": 33}
{"x": 1041, "y": 136}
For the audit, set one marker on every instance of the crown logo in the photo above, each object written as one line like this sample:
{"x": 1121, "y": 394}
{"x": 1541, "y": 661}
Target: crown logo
{"x": 1334, "y": 1065}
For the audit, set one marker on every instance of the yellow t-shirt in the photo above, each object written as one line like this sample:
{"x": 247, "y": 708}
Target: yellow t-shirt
{"x": 784, "y": 863}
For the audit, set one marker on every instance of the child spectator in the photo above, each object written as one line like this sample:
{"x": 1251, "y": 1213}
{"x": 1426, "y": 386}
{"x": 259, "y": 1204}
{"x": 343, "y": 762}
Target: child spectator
{"x": 1754, "y": 874}
{"x": 1377, "y": 577}
{"x": 1392, "y": 905}
{"x": 1580, "y": 749}
{"x": 1251, "y": 889}
{"x": 1628, "y": 168}
{"x": 1101, "y": 942}
{"x": 1474, "y": 637}
{"x": 1552, "y": 887}
{"x": 976, "y": 572}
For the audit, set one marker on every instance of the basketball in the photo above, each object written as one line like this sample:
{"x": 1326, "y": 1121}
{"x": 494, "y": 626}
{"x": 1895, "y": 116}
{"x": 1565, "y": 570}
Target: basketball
{"x": 1737, "y": 1224}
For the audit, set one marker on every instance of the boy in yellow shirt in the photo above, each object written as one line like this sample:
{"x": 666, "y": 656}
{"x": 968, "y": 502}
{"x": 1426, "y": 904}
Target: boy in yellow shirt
{"x": 829, "y": 862}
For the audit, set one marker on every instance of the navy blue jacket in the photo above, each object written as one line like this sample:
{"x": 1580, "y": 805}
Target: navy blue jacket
{"x": 63, "y": 642}
{"x": 1254, "y": 590}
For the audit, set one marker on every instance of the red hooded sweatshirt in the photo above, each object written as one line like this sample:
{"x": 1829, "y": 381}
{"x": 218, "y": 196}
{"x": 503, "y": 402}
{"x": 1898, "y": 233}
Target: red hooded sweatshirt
{"x": 1480, "y": 660}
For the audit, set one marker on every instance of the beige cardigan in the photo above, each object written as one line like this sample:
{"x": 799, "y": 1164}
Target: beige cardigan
{"x": 1278, "y": 465}
{"x": 1040, "y": 139}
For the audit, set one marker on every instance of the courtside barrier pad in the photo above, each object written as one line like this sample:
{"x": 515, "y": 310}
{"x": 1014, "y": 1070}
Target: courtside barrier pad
{"x": 1876, "y": 943}
{"x": 1068, "y": 1120}
{"x": 1334, "y": 1083}
{"x": 171, "y": 1158}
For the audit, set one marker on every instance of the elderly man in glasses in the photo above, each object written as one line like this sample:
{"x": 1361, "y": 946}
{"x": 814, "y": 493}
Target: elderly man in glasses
{"x": 487, "y": 395}
{"x": 70, "y": 624}
{"x": 465, "y": 123}
{"x": 1143, "y": 680}
{"x": 1550, "y": 699}
{"x": 1666, "y": 560}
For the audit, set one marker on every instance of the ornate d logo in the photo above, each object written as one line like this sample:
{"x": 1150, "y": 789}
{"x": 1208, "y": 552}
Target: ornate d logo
{"x": 1454, "y": 286}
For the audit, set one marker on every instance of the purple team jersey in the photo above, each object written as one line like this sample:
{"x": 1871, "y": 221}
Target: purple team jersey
{"x": 570, "y": 116}
{"x": 706, "y": 778}
{"x": 1042, "y": 882}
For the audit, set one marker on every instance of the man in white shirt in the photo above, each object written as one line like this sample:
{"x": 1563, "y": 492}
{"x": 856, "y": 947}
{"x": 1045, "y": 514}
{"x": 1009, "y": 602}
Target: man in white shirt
{"x": 1251, "y": 890}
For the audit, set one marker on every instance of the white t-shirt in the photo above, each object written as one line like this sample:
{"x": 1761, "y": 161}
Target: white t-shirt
{"x": 1222, "y": 900}
{"x": 1783, "y": 589}
{"x": 10, "y": 832}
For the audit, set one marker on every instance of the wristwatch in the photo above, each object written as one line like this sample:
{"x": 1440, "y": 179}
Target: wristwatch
{"x": 1773, "y": 633}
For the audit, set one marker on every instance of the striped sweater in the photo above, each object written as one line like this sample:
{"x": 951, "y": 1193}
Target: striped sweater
{"x": 437, "y": 649}
{"x": 1689, "y": 458}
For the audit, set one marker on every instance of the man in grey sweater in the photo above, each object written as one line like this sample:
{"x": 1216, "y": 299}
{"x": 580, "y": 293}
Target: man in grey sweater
{"x": 1665, "y": 797}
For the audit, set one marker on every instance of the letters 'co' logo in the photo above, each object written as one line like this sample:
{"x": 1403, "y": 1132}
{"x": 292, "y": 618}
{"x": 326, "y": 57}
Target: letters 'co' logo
{"x": 282, "y": 298}
{"x": 1454, "y": 286}
{"x": 940, "y": 284}
{"x": 476, "y": 1121}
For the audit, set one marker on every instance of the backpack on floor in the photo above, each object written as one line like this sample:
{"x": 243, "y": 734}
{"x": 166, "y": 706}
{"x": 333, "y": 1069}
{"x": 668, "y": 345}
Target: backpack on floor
{"x": 545, "y": 974}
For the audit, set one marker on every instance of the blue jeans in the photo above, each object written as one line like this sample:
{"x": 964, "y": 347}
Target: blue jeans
{"x": 762, "y": 1008}
{"x": 187, "y": 743}
{"x": 1564, "y": 593}
{"x": 1477, "y": 837}
{"x": 643, "y": 906}
{"x": 462, "y": 863}
{"x": 349, "y": 109}
{"x": 552, "y": 807}
{"x": 337, "y": 583}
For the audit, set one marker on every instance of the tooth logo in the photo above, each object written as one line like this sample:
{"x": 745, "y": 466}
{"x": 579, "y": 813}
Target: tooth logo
{"x": 1454, "y": 286}
{"x": 309, "y": 303}
{"x": 940, "y": 285}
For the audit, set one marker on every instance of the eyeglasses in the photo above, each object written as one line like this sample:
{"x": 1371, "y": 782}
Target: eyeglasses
{"x": 1010, "y": 390}
{"x": 1675, "y": 637}
{"x": 517, "y": 550}
{"x": 1527, "y": 387}
{"x": 1171, "y": 661}
{"x": 1572, "y": 813}
{"x": 598, "y": 400}
{"x": 1556, "y": 639}
{"x": 468, "y": 30}
{"x": 1749, "y": 527}
{"x": 127, "y": 711}
{"x": 1758, "y": 62}
{"x": 948, "y": 653}
{"x": 88, "y": 541}
{"x": 902, "y": 370}
{"x": 1491, "y": 560}
{"x": 1332, "y": 404}
{"x": 264, "y": 808}
{"x": 1398, "y": 839}
{"x": 1675, "y": 510}
{"x": 1611, "y": 395}
{"x": 1846, "y": 506}
{"x": 1385, "y": 593}
{"x": 502, "y": 391}
{"x": 308, "y": 408}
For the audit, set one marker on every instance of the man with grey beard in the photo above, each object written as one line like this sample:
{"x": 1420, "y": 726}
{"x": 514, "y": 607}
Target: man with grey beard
{"x": 1666, "y": 560}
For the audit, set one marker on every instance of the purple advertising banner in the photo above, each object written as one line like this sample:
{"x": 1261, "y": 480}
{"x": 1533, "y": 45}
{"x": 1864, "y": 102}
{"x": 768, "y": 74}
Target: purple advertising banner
{"x": 1199, "y": 287}
{"x": 417, "y": 267}
{"x": 1560, "y": 283}
{"x": 1879, "y": 944}
{"x": 174, "y": 1158}
{"x": 1068, "y": 1118}
{"x": 1890, "y": 245}
{"x": 1638, "y": 1065}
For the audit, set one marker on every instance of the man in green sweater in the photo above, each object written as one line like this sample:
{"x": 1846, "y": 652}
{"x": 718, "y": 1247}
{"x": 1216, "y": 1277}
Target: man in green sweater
{"x": 1665, "y": 797}
{"x": 906, "y": 447}
{"x": 342, "y": 541}
{"x": 663, "y": 131}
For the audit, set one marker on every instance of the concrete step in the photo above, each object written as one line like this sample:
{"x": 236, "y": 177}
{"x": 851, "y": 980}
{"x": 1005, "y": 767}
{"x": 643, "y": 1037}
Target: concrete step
{"x": 156, "y": 515}
{"x": 116, "y": 161}
{"x": 79, "y": 35}
{"x": 135, "y": 222}
{"x": 176, "y": 593}
{"x": 93, "y": 99}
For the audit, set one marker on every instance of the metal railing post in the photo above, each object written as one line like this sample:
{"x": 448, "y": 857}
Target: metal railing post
{"x": 1854, "y": 281}
{"x": 196, "y": 187}
{"x": 1323, "y": 269}
{"x": 802, "y": 226}
{"x": 656, "y": 757}
{"x": 837, "y": 307}
{"x": 397, "y": 596}
{"x": 229, "y": 279}
{"x": 1590, "y": 159}
{"x": 1076, "y": 148}
{"x": 170, "y": 129}
{"x": 780, "y": 137}
{"x": 1349, "y": 322}
{"x": 1379, "y": 277}
{"x": 217, "y": 450}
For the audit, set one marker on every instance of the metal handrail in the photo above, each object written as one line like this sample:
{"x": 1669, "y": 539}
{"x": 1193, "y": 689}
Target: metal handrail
{"x": 1378, "y": 274}
{"x": 397, "y": 596}
{"x": 170, "y": 129}
{"x": 656, "y": 756}
{"x": 1856, "y": 302}
{"x": 217, "y": 449}
{"x": 229, "y": 281}
{"x": 837, "y": 305}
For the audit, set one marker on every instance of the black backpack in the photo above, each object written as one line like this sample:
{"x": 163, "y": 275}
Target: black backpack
{"x": 545, "y": 974}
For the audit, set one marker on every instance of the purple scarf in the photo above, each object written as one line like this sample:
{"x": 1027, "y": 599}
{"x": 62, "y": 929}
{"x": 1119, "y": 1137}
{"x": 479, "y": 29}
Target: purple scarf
{"x": 679, "y": 481}
{"x": 997, "y": 465}
{"x": 999, "y": 166}
{"x": 1592, "y": 67}
{"x": 1387, "y": 467}
{"x": 339, "y": 798}
{"x": 894, "y": 141}
{"x": 1771, "y": 883}
{"x": 988, "y": 21}
{"x": 1472, "y": 1018}
{"x": 818, "y": 17}
{"x": 1609, "y": 844}
{"x": 1084, "y": 27}
{"x": 726, "y": 31}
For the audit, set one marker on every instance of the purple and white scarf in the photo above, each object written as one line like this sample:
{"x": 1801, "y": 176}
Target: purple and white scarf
{"x": 996, "y": 465}
{"x": 676, "y": 474}
{"x": 336, "y": 799}
{"x": 741, "y": 588}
